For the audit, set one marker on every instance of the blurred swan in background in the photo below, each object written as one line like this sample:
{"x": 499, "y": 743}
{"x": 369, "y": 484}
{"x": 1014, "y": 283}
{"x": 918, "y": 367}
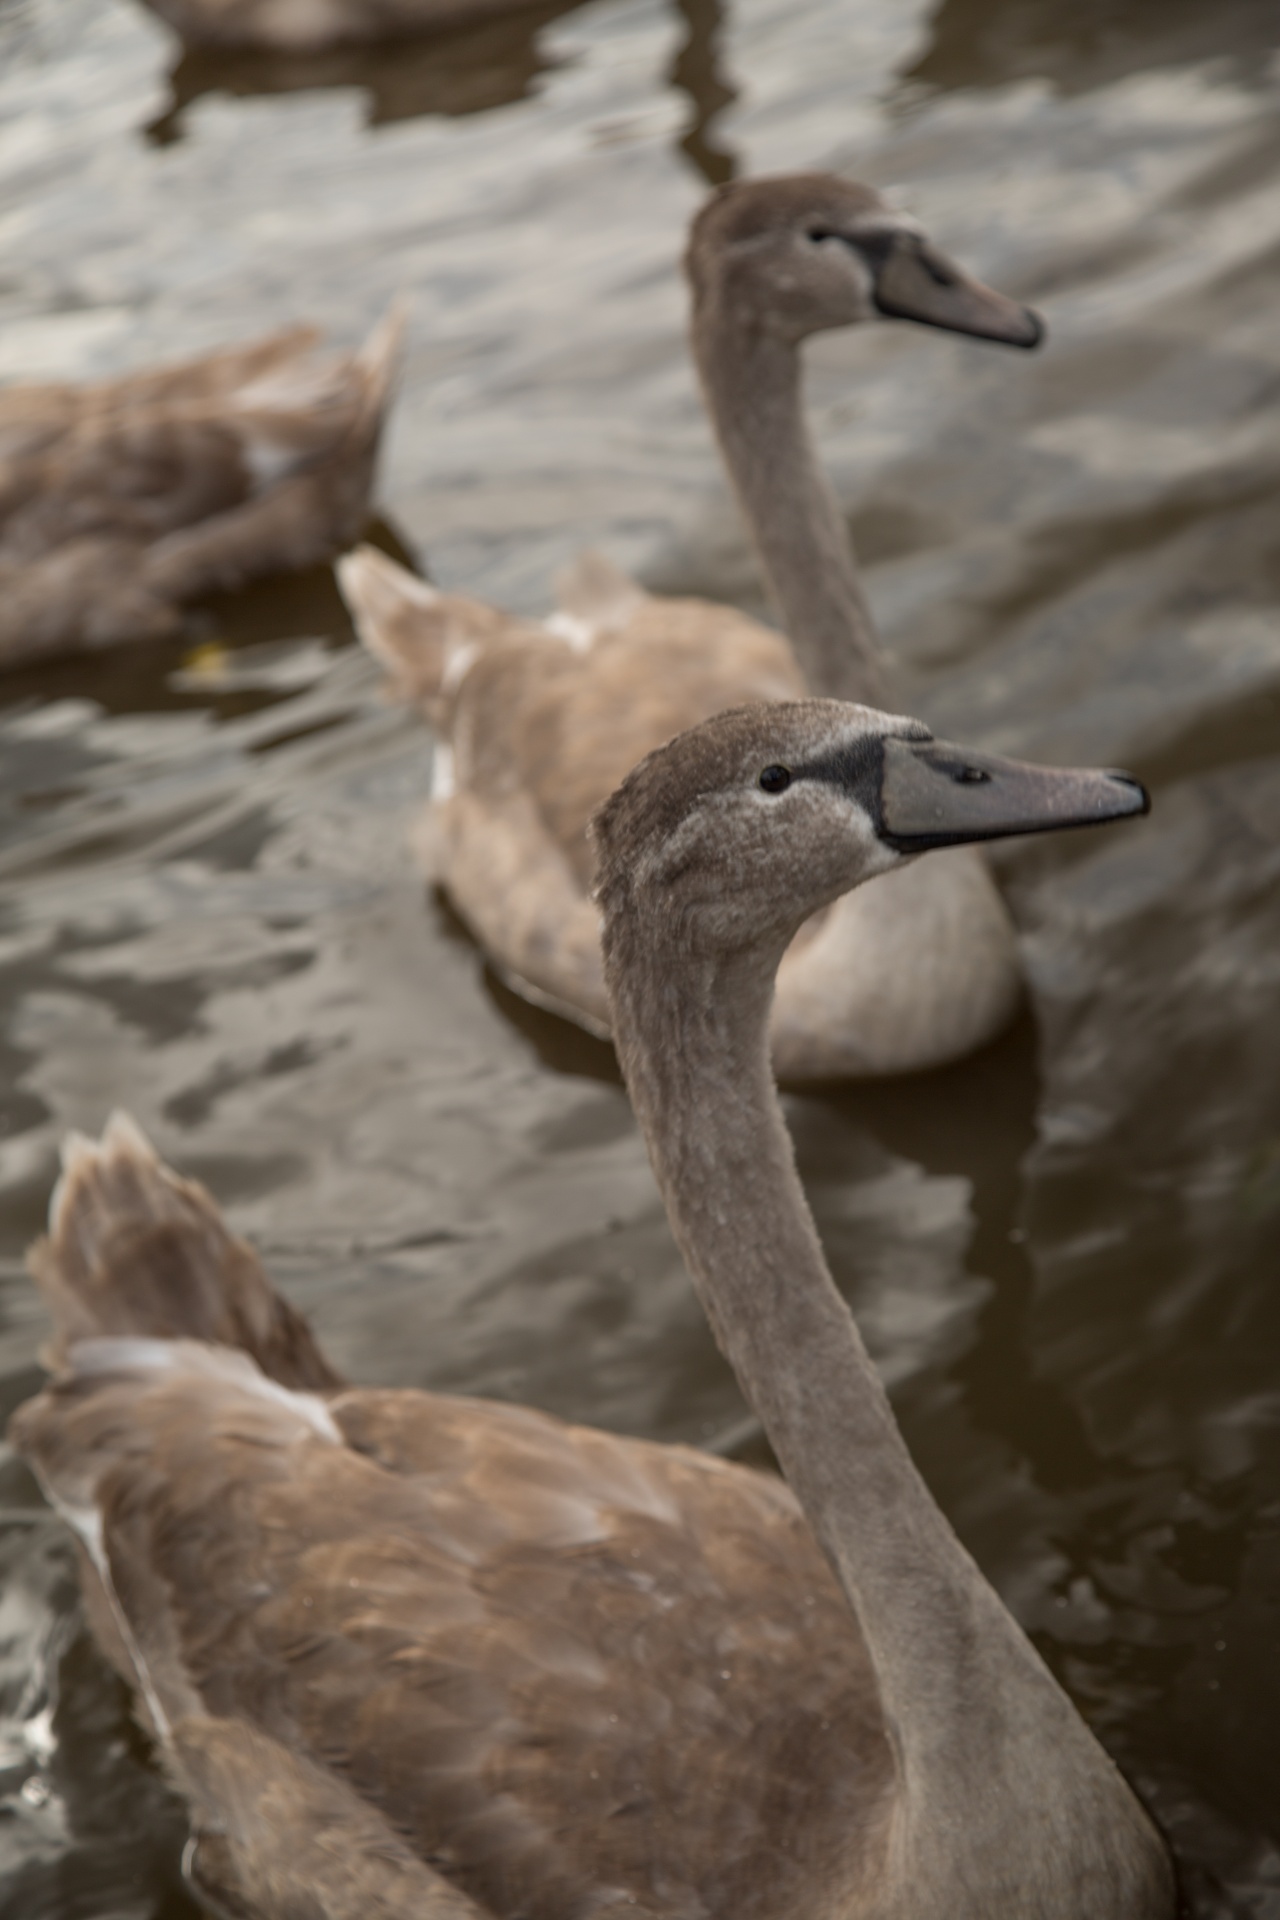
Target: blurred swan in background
{"x": 539, "y": 722}
{"x": 122, "y": 502}
{"x": 407, "y": 1654}
{"x": 302, "y": 26}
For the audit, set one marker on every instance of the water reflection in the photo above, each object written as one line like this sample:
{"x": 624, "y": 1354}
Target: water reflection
{"x": 456, "y": 71}
{"x": 559, "y": 1044}
{"x": 144, "y": 678}
{"x": 459, "y": 71}
{"x": 86, "y": 1822}
{"x": 1091, "y": 43}
{"x": 1151, "y": 1199}
{"x": 697, "y": 71}
{"x": 1066, "y": 1247}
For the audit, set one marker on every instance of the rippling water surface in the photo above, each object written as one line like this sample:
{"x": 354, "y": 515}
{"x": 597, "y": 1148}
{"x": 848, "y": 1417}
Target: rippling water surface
{"x": 1064, "y": 1252}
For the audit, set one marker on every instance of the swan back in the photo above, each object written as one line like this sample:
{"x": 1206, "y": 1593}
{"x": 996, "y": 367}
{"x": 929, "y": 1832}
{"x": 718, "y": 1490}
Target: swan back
{"x": 122, "y": 501}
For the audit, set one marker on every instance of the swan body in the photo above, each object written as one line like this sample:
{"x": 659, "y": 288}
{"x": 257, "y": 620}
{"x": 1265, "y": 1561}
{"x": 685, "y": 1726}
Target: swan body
{"x": 538, "y": 722}
{"x": 306, "y": 26}
{"x": 542, "y": 720}
{"x": 121, "y": 502}
{"x": 414, "y": 1654}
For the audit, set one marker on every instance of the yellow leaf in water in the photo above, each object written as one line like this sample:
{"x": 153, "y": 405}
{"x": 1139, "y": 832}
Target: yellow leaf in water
{"x": 210, "y": 660}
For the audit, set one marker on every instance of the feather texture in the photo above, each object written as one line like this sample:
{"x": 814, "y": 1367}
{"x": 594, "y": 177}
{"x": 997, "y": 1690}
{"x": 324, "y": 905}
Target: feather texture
{"x": 558, "y": 1669}
{"x": 121, "y": 502}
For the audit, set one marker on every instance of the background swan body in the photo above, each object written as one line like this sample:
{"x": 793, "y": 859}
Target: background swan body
{"x": 542, "y": 721}
{"x": 304, "y": 26}
{"x": 536, "y": 723}
{"x": 412, "y": 1654}
{"x": 120, "y": 502}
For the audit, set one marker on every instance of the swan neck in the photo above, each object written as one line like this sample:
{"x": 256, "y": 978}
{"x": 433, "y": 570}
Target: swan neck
{"x": 992, "y": 1761}
{"x": 701, "y": 1084}
{"x": 752, "y": 383}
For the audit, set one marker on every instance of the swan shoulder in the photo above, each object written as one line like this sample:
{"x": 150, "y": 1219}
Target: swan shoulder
{"x": 564, "y": 725}
{"x": 538, "y": 730}
{"x": 541, "y": 732}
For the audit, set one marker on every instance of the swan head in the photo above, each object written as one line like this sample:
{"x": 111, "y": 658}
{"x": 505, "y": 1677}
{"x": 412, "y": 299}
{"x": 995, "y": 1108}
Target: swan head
{"x": 724, "y": 841}
{"x": 802, "y": 253}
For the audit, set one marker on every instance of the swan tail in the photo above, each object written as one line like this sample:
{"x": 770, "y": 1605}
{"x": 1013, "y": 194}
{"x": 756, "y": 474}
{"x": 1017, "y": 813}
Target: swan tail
{"x": 371, "y": 373}
{"x": 400, "y": 619}
{"x": 133, "y": 1250}
{"x": 377, "y": 364}
{"x": 424, "y": 639}
{"x": 301, "y": 402}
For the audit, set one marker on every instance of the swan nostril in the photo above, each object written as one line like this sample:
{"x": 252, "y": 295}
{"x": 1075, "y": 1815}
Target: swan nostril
{"x": 971, "y": 776}
{"x": 940, "y": 275}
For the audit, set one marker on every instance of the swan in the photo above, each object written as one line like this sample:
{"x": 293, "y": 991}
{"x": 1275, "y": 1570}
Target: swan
{"x": 406, "y": 1653}
{"x": 306, "y": 26}
{"x": 541, "y": 721}
{"x": 122, "y": 501}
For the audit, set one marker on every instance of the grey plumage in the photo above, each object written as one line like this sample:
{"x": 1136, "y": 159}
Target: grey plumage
{"x": 543, "y": 721}
{"x": 473, "y": 1659}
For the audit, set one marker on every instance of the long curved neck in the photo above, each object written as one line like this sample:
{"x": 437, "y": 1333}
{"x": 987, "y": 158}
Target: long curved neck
{"x": 751, "y": 382}
{"x": 1001, "y": 1786}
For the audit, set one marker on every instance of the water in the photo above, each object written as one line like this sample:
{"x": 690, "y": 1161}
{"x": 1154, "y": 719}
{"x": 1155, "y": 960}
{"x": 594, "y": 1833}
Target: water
{"x": 1064, "y": 1251}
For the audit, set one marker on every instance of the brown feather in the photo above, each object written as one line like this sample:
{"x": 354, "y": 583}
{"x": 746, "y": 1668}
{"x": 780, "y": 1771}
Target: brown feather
{"x": 544, "y": 724}
{"x": 134, "y": 1249}
{"x": 562, "y": 1668}
{"x": 120, "y": 502}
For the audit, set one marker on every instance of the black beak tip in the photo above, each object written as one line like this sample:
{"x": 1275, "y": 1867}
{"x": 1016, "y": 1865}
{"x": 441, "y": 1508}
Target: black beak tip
{"x": 1138, "y": 797}
{"x": 1037, "y": 330}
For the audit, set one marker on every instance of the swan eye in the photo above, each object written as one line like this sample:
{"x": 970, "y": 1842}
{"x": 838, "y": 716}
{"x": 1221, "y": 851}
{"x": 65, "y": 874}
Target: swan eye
{"x": 819, "y": 234}
{"x": 775, "y": 779}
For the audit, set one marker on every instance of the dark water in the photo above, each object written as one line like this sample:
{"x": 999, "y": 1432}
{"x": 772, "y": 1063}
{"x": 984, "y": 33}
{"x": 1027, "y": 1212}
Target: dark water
{"x": 1063, "y": 1252}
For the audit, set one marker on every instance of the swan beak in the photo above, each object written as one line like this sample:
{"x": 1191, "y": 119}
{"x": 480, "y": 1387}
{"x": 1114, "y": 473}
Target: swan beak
{"x": 936, "y": 795}
{"x": 917, "y": 282}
